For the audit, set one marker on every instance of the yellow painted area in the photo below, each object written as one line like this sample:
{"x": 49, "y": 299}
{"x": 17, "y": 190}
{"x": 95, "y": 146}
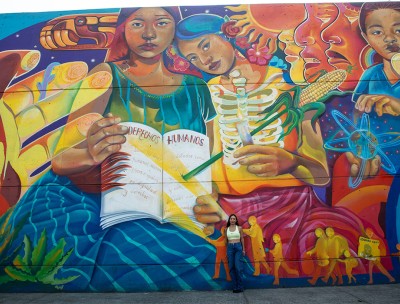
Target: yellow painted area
{"x": 179, "y": 218}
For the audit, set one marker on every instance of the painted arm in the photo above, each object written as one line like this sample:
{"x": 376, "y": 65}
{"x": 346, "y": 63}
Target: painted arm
{"x": 309, "y": 165}
{"x": 104, "y": 138}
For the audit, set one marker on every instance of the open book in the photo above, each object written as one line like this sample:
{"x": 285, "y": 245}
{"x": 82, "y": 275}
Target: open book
{"x": 144, "y": 179}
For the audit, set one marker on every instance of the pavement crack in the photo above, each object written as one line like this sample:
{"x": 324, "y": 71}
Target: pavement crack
{"x": 360, "y": 300}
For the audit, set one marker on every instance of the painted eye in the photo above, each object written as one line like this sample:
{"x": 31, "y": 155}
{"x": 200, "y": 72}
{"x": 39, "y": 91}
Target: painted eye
{"x": 376, "y": 33}
{"x": 206, "y": 46}
{"x": 193, "y": 59}
{"x": 162, "y": 23}
{"x": 136, "y": 24}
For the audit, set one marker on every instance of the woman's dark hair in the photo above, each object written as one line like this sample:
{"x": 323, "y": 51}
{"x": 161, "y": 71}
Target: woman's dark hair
{"x": 118, "y": 48}
{"x": 369, "y": 7}
{"x": 229, "y": 222}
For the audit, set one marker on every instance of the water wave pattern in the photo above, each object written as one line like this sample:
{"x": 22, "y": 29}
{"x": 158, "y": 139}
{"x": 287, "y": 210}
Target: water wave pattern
{"x": 141, "y": 255}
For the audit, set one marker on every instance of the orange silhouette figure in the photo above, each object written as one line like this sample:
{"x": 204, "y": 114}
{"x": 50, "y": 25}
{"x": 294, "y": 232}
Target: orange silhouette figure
{"x": 257, "y": 240}
{"x": 350, "y": 262}
{"x": 279, "y": 260}
{"x": 321, "y": 252}
{"x": 337, "y": 245}
{"x": 221, "y": 256}
{"x": 376, "y": 260}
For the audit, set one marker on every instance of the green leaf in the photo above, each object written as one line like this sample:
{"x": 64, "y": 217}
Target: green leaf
{"x": 8, "y": 259}
{"x": 296, "y": 96}
{"x": 27, "y": 260}
{"x": 5, "y": 279}
{"x": 49, "y": 277}
{"x": 7, "y": 241}
{"x": 39, "y": 252}
{"x": 4, "y": 220}
{"x": 19, "y": 263}
{"x": 52, "y": 258}
{"x": 64, "y": 280}
{"x": 334, "y": 93}
{"x": 18, "y": 274}
{"x": 283, "y": 99}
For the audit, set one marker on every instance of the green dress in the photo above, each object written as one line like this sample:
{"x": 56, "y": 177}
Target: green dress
{"x": 188, "y": 107}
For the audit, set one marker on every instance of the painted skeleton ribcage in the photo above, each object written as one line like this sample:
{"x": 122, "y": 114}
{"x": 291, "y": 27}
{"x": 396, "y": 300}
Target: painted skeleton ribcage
{"x": 226, "y": 103}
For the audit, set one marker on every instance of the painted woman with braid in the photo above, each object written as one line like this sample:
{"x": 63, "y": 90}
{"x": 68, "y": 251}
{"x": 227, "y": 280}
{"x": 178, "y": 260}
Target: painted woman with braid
{"x": 272, "y": 178}
{"x": 66, "y": 201}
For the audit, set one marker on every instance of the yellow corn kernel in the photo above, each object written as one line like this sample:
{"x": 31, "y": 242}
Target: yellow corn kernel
{"x": 322, "y": 86}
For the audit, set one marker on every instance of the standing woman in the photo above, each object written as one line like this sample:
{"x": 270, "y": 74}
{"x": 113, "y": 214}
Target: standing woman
{"x": 235, "y": 244}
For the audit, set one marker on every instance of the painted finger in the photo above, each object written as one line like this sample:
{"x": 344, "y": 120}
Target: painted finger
{"x": 254, "y": 159}
{"x": 106, "y": 152}
{"x": 367, "y": 169}
{"x": 205, "y": 209}
{"x": 354, "y": 169}
{"x": 379, "y": 105}
{"x": 208, "y": 219}
{"x": 266, "y": 170}
{"x": 352, "y": 159}
{"x": 375, "y": 166}
{"x": 360, "y": 104}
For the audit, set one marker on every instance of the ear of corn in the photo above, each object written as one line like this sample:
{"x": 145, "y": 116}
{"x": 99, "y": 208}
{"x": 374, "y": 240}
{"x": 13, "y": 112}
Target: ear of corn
{"x": 322, "y": 86}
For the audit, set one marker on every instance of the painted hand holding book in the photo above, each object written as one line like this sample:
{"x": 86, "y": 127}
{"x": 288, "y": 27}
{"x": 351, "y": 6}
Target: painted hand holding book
{"x": 144, "y": 179}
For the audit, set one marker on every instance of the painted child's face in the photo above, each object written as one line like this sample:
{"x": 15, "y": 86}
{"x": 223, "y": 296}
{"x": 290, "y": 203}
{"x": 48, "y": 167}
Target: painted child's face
{"x": 308, "y": 36}
{"x": 383, "y": 32}
{"x": 209, "y": 53}
{"x": 149, "y": 31}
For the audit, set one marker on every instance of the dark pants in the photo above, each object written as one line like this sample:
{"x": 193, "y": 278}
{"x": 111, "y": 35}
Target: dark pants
{"x": 235, "y": 256}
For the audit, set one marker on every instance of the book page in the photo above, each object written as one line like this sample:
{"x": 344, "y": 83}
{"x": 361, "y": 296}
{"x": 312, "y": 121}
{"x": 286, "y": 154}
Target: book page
{"x": 132, "y": 178}
{"x": 184, "y": 150}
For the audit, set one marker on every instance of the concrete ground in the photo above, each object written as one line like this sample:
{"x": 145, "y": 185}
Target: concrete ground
{"x": 371, "y": 294}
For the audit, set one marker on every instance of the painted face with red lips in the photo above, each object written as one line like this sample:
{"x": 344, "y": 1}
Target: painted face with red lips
{"x": 149, "y": 31}
{"x": 345, "y": 44}
{"x": 308, "y": 36}
{"x": 210, "y": 53}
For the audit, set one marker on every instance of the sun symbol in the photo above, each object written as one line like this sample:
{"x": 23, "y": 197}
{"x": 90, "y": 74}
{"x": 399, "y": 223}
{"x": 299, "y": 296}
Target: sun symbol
{"x": 265, "y": 22}
{"x": 362, "y": 143}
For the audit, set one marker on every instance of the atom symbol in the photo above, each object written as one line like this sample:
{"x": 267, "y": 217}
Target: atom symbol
{"x": 362, "y": 143}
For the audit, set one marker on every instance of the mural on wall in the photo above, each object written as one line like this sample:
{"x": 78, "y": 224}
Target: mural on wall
{"x": 128, "y": 137}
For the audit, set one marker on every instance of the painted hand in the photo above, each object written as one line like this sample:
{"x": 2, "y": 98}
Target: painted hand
{"x": 371, "y": 167}
{"x": 266, "y": 161}
{"x": 383, "y": 104}
{"x": 208, "y": 211}
{"x": 105, "y": 137}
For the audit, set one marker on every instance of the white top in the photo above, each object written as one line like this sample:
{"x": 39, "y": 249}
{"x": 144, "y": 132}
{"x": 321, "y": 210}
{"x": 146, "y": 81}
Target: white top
{"x": 233, "y": 235}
